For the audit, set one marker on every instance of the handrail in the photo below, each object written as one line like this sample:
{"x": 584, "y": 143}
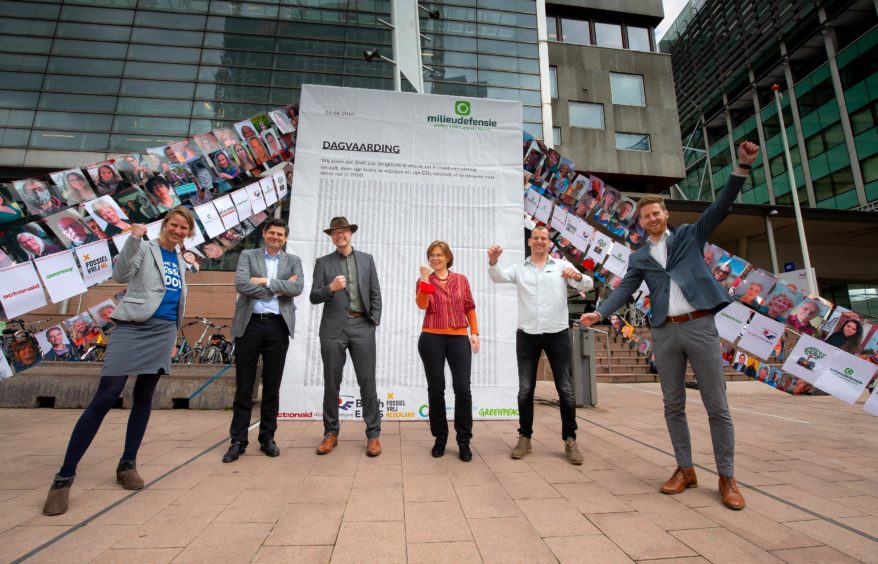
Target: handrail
{"x": 607, "y": 340}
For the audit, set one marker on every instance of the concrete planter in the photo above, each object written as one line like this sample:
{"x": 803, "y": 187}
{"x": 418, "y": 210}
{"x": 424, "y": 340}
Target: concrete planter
{"x": 72, "y": 385}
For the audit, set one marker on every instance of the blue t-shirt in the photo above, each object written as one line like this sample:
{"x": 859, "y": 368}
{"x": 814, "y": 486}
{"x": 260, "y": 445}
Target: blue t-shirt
{"x": 173, "y": 285}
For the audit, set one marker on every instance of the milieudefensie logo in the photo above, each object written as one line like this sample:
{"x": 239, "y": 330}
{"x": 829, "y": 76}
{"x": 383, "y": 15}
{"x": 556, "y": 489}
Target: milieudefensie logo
{"x": 462, "y": 119}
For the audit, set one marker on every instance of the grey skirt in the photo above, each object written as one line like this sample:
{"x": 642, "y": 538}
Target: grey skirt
{"x": 140, "y": 348}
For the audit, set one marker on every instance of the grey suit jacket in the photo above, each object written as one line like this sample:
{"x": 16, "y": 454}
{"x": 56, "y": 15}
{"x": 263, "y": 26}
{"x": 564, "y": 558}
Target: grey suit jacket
{"x": 337, "y": 304}
{"x": 140, "y": 265}
{"x": 685, "y": 265}
{"x": 252, "y": 263}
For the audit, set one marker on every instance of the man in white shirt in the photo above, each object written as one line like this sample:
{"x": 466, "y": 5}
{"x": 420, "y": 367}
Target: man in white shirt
{"x": 543, "y": 325}
{"x": 684, "y": 297}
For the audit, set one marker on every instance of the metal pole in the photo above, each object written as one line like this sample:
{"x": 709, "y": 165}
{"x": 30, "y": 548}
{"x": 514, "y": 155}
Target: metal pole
{"x": 812, "y": 284}
{"x": 397, "y": 77}
{"x": 772, "y": 250}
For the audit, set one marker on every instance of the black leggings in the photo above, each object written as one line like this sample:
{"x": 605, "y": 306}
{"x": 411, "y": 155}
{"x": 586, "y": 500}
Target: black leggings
{"x": 109, "y": 390}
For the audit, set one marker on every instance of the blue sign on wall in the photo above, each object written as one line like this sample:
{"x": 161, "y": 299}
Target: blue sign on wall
{"x": 789, "y": 266}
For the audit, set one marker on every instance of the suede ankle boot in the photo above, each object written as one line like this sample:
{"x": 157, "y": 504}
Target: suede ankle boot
{"x": 59, "y": 495}
{"x": 126, "y": 474}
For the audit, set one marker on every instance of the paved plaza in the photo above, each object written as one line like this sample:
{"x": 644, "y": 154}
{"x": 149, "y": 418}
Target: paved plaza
{"x": 808, "y": 467}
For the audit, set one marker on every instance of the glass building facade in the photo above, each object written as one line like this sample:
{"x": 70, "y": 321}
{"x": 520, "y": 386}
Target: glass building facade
{"x": 116, "y": 76}
{"x": 824, "y": 57}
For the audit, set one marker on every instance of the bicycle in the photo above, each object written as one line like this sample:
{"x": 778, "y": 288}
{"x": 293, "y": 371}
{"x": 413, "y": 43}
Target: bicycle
{"x": 189, "y": 354}
{"x": 219, "y": 350}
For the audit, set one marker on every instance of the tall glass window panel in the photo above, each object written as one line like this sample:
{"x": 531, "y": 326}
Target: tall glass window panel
{"x": 553, "y": 82}
{"x": 627, "y": 89}
{"x": 608, "y": 35}
{"x": 556, "y": 136}
{"x": 586, "y": 116}
{"x": 575, "y": 31}
{"x": 552, "y": 28}
{"x": 632, "y": 142}
{"x": 638, "y": 38}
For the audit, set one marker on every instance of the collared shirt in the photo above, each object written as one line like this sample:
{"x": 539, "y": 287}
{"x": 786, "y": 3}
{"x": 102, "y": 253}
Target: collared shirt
{"x": 349, "y": 268}
{"x": 677, "y": 303}
{"x": 542, "y": 293}
{"x": 271, "y": 305}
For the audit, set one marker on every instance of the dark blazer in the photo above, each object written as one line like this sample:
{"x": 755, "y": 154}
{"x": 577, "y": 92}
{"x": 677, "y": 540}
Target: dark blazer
{"x": 140, "y": 265}
{"x": 252, "y": 263}
{"x": 685, "y": 265}
{"x": 337, "y": 304}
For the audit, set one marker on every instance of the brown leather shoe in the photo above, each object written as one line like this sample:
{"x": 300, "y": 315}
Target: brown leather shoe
{"x": 681, "y": 479}
{"x": 728, "y": 489}
{"x": 329, "y": 442}
{"x": 373, "y": 447}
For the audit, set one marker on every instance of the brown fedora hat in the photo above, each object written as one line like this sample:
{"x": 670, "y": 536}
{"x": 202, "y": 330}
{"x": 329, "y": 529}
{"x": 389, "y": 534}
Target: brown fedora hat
{"x": 339, "y": 223}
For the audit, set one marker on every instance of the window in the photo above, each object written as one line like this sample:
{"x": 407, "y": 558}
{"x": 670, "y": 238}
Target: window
{"x": 627, "y": 89}
{"x": 556, "y": 136}
{"x": 632, "y": 142}
{"x": 638, "y": 38}
{"x": 575, "y": 31}
{"x": 587, "y": 116}
{"x": 552, "y": 28}
{"x": 608, "y": 35}
{"x": 553, "y": 82}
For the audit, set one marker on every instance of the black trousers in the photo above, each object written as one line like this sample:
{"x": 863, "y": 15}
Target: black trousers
{"x": 271, "y": 339}
{"x": 557, "y": 346}
{"x": 435, "y": 350}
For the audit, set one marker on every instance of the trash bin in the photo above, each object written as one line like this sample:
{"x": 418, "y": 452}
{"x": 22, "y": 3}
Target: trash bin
{"x": 584, "y": 371}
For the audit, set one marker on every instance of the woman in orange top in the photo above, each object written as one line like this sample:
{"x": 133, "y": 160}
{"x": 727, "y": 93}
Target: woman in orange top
{"x": 446, "y": 297}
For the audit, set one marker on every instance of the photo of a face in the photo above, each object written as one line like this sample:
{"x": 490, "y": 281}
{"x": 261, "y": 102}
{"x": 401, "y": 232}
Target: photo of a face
{"x": 281, "y": 120}
{"x": 162, "y": 194}
{"x": 9, "y": 208}
{"x": 207, "y": 142}
{"x": 728, "y": 270}
{"x": 741, "y": 360}
{"x": 203, "y": 174}
{"x": 226, "y": 136}
{"x": 780, "y": 302}
{"x": 70, "y": 229}
{"x": 272, "y": 141}
{"x": 808, "y": 315}
{"x": 257, "y": 149}
{"x": 136, "y": 204}
{"x": 94, "y": 227}
{"x": 106, "y": 178}
{"x": 194, "y": 259}
{"x": 176, "y": 175}
{"x": 73, "y": 186}
{"x": 607, "y": 205}
{"x": 24, "y": 353}
{"x": 55, "y": 345}
{"x": 559, "y": 180}
{"x": 28, "y": 241}
{"x": 243, "y": 157}
{"x": 712, "y": 255}
{"x": 163, "y": 154}
{"x": 533, "y": 158}
{"x": 184, "y": 151}
{"x": 109, "y": 216}
{"x": 102, "y": 314}
{"x": 131, "y": 169}
{"x": 82, "y": 329}
{"x": 151, "y": 162}
{"x": 754, "y": 288}
{"x": 213, "y": 249}
{"x": 40, "y": 196}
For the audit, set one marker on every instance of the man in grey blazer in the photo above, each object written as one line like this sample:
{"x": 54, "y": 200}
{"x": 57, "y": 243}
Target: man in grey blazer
{"x": 346, "y": 282}
{"x": 267, "y": 280}
{"x": 684, "y": 298}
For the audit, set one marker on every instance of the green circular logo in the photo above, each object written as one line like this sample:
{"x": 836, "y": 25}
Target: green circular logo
{"x": 462, "y": 108}
{"x": 849, "y": 371}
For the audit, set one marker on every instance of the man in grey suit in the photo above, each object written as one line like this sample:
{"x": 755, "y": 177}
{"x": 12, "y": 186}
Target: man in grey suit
{"x": 346, "y": 282}
{"x": 267, "y": 280}
{"x": 685, "y": 297}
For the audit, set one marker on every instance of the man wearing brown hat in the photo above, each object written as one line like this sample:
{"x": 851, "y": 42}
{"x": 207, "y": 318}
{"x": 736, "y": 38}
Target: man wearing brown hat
{"x": 346, "y": 282}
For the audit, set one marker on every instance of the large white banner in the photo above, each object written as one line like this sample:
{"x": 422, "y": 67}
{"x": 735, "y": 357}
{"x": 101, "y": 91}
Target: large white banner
{"x": 408, "y": 169}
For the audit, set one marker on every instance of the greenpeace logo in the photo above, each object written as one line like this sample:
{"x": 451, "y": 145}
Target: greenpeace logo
{"x": 729, "y": 317}
{"x": 360, "y": 147}
{"x": 504, "y": 412}
{"x": 59, "y": 273}
{"x": 20, "y": 292}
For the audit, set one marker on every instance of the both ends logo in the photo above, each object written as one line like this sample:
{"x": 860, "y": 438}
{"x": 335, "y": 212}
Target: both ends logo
{"x": 462, "y": 108}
